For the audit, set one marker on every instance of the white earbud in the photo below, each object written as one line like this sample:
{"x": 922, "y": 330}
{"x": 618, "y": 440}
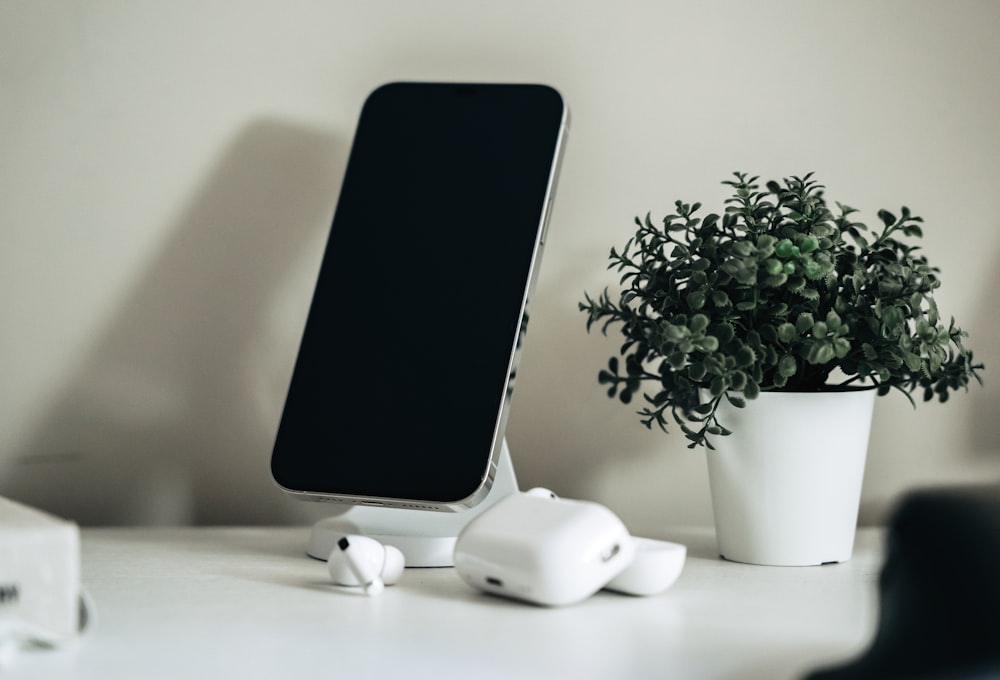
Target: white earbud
{"x": 362, "y": 561}
{"x": 542, "y": 492}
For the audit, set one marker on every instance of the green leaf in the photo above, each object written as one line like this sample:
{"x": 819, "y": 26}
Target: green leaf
{"x": 718, "y": 386}
{"x": 713, "y": 365}
{"x": 787, "y": 332}
{"x": 724, "y": 332}
{"x": 745, "y": 356}
{"x": 674, "y": 333}
{"x": 661, "y": 398}
{"x": 796, "y": 283}
{"x": 766, "y": 243}
{"x": 813, "y": 269}
{"x": 787, "y": 366}
{"x": 785, "y": 248}
{"x": 709, "y": 343}
{"x": 892, "y": 317}
{"x": 696, "y": 299}
{"x": 824, "y": 353}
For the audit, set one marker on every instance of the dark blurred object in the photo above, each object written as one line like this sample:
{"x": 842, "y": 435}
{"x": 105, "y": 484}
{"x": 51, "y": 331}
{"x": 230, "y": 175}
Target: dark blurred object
{"x": 939, "y": 591}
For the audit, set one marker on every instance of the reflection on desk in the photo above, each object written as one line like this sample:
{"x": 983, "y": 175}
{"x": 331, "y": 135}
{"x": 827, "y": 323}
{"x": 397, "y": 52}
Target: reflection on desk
{"x": 248, "y": 603}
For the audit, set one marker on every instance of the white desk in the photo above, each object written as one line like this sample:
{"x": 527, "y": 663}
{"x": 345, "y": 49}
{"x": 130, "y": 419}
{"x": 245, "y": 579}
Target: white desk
{"x": 246, "y": 603}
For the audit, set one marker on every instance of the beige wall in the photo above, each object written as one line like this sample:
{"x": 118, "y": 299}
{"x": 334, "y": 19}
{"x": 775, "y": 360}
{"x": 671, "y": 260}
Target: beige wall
{"x": 168, "y": 170}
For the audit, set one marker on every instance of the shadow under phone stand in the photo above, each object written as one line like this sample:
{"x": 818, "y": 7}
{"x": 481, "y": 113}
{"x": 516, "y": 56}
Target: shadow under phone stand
{"x": 425, "y": 537}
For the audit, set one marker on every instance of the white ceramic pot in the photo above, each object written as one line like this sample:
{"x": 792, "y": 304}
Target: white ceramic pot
{"x": 786, "y": 484}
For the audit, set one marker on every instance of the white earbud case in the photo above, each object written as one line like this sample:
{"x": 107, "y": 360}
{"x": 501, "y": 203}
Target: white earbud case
{"x": 548, "y": 551}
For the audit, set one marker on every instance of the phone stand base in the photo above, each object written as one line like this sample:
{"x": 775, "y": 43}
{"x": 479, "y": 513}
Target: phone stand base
{"x": 425, "y": 537}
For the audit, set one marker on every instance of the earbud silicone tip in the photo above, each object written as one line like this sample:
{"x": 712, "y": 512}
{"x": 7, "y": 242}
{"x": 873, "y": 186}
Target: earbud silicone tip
{"x": 654, "y": 568}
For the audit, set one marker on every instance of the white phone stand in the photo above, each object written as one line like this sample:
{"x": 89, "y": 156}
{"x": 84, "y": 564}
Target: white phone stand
{"x": 425, "y": 537}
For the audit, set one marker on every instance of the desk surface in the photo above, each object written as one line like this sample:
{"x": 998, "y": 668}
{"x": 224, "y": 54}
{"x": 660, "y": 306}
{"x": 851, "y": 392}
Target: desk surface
{"x": 247, "y": 603}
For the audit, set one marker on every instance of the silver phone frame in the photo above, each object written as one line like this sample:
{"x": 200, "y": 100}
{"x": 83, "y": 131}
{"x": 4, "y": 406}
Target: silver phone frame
{"x": 494, "y": 463}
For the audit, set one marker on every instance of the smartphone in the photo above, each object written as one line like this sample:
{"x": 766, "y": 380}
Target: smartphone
{"x": 400, "y": 392}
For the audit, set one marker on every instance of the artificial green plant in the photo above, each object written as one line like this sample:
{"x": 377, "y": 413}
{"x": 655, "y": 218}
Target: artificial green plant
{"x": 778, "y": 292}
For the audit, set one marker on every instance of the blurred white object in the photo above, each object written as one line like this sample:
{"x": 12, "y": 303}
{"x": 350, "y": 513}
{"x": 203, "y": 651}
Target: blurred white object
{"x": 40, "y": 595}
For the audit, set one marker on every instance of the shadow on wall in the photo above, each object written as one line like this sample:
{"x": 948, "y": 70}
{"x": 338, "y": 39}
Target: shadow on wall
{"x": 557, "y": 442}
{"x": 171, "y": 418}
{"x": 983, "y": 331}
{"x": 567, "y": 435}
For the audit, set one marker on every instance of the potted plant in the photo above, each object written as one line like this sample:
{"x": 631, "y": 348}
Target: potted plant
{"x": 777, "y": 298}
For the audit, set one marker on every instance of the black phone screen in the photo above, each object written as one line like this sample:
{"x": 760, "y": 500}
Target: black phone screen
{"x": 399, "y": 388}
